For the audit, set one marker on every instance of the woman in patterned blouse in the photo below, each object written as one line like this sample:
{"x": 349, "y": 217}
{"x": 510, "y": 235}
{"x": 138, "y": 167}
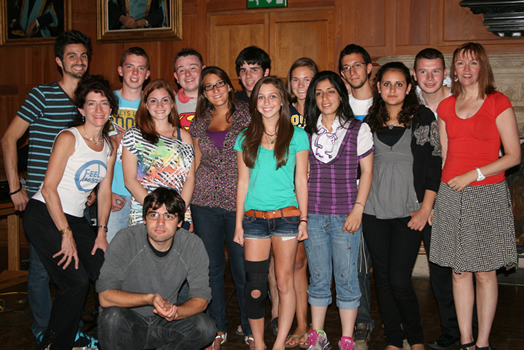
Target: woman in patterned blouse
{"x": 219, "y": 119}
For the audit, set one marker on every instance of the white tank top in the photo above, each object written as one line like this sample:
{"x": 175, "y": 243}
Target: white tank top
{"x": 85, "y": 168}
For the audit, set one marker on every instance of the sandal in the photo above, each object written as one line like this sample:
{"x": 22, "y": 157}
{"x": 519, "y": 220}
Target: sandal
{"x": 303, "y": 341}
{"x": 466, "y": 346}
{"x": 294, "y": 339}
{"x": 239, "y": 330}
{"x": 250, "y": 341}
{"x": 223, "y": 339}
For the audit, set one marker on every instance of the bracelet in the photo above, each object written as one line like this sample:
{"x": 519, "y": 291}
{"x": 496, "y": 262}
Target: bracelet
{"x": 64, "y": 231}
{"x": 360, "y": 204}
{"x": 15, "y": 192}
{"x": 104, "y": 227}
{"x": 303, "y": 220}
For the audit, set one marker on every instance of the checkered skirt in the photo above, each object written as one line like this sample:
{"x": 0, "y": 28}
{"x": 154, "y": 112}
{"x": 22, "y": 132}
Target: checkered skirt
{"x": 473, "y": 230}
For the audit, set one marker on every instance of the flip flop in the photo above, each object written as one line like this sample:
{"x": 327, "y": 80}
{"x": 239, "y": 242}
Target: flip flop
{"x": 249, "y": 338}
{"x": 303, "y": 341}
{"x": 295, "y": 339}
{"x": 239, "y": 330}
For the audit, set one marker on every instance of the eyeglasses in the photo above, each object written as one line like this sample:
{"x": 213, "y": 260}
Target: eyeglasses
{"x": 218, "y": 84}
{"x": 355, "y": 66}
{"x": 153, "y": 215}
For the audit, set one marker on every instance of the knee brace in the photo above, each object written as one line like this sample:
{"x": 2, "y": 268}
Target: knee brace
{"x": 256, "y": 280}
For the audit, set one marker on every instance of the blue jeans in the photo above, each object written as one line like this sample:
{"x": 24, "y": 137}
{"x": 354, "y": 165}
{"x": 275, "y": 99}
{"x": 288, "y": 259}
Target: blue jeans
{"x": 123, "y": 328}
{"x": 118, "y": 219}
{"x": 38, "y": 293}
{"x": 216, "y": 226}
{"x": 258, "y": 228}
{"x": 329, "y": 248}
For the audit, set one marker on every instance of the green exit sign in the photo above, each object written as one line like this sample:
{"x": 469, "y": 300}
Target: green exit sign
{"x": 256, "y": 4}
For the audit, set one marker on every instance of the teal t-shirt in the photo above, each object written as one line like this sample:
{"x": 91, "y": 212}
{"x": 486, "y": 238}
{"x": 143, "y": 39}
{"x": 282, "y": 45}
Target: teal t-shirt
{"x": 269, "y": 188}
{"x": 126, "y": 120}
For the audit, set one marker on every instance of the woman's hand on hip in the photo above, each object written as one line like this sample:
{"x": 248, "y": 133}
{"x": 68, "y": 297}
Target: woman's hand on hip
{"x": 458, "y": 183}
{"x": 68, "y": 251}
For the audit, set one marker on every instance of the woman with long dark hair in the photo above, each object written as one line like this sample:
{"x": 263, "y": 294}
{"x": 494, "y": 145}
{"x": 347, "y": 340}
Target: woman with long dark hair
{"x": 218, "y": 121}
{"x": 474, "y": 230}
{"x": 406, "y": 174}
{"x": 157, "y": 152}
{"x": 339, "y": 144}
{"x": 82, "y": 158}
{"x": 272, "y": 164}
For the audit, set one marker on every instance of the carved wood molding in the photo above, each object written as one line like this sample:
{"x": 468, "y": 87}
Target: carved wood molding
{"x": 505, "y": 18}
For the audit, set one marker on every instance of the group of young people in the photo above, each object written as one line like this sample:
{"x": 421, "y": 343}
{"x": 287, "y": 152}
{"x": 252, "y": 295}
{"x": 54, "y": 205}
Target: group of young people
{"x": 330, "y": 172}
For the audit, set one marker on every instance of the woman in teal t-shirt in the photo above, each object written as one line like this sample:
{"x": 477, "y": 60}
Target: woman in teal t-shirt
{"x": 272, "y": 181}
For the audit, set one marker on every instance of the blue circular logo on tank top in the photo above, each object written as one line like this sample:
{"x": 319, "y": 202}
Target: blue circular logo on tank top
{"x": 90, "y": 174}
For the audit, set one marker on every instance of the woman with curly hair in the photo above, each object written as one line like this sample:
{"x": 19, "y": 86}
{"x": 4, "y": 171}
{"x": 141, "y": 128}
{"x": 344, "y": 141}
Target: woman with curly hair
{"x": 82, "y": 158}
{"x": 406, "y": 177}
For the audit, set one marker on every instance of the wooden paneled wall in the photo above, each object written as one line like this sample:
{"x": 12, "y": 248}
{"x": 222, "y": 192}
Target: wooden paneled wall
{"x": 383, "y": 27}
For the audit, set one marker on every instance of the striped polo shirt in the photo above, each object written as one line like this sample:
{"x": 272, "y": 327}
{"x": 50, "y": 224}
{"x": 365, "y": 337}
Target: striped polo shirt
{"x": 48, "y": 110}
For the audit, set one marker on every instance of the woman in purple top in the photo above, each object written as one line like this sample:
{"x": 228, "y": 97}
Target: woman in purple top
{"x": 339, "y": 143}
{"x": 218, "y": 120}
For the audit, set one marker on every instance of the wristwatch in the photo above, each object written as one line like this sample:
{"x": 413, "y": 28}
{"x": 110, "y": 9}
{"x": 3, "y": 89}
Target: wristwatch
{"x": 480, "y": 176}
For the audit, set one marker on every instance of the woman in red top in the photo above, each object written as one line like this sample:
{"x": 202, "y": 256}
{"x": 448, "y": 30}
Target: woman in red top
{"x": 473, "y": 230}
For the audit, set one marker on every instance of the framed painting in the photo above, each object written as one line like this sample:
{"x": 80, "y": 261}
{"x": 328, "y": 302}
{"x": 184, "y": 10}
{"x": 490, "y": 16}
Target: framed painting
{"x": 36, "y": 22}
{"x": 138, "y": 20}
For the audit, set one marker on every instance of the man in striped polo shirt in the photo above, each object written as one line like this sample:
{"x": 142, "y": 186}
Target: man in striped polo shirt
{"x": 46, "y": 111}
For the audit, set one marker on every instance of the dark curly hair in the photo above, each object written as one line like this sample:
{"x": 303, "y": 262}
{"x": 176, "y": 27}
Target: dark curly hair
{"x": 98, "y": 84}
{"x": 378, "y": 114}
{"x": 71, "y": 37}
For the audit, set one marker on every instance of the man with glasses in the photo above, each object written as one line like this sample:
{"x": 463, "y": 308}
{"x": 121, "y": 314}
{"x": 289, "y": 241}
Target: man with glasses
{"x": 355, "y": 68}
{"x": 145, "y": 266}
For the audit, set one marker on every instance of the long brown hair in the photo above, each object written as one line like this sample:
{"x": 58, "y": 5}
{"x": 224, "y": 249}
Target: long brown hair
{"x": 254, "y": 132}
{"x": 144, "y": 121}
{"x": 486, "y": 80}
{"x": 203, "y": 104}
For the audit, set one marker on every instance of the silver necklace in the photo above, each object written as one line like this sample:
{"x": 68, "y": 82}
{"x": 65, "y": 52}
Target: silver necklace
{"x": 90, "y": 139}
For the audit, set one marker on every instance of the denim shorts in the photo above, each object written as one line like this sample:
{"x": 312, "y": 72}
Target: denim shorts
{"x": 259, "y": 228}
{"x": 329, "y": 249}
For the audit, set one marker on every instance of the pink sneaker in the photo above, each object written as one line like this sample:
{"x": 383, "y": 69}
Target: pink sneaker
{"x": 346, "y": 343}
{"x": 317, "y": 340}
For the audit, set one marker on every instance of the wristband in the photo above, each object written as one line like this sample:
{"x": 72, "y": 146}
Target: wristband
{"x": 360, "y": 204}
{"x": 104, "y": 227}
{"x": 480, "y": 176}
{"x": 15, "y": 192}
{"x": 64, "y": 231}
{"x": 303, "y": 220}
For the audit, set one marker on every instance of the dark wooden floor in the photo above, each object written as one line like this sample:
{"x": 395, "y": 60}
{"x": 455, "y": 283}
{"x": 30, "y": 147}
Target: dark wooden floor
{"x": 507, "y": 333}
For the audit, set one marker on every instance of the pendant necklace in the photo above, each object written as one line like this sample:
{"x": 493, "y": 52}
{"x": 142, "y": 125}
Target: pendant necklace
{"x": 271, "y": 141}
{"x": 90, "y": 139}
{"x": 390, "y": 126}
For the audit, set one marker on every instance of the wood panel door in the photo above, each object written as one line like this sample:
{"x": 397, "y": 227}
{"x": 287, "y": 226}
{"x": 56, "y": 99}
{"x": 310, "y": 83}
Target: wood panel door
{"x": 295, "y": 34}
{"x": 284, "y": 35}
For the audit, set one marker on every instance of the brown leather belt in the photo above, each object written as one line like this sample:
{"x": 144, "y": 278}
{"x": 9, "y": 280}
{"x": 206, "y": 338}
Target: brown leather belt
{"x": 274, "y": 214}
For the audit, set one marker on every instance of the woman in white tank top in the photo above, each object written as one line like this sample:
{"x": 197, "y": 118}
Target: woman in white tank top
{"x": 82, "y": 158}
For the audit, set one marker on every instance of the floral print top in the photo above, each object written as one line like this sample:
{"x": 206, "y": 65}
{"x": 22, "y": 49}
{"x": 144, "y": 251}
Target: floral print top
{"x": 217, "y": 174}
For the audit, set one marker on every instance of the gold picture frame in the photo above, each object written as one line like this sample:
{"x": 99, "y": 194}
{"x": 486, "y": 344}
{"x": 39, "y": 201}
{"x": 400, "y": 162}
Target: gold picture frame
{"x": 16, "y": 19}
{"x": 171, "y": 29}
